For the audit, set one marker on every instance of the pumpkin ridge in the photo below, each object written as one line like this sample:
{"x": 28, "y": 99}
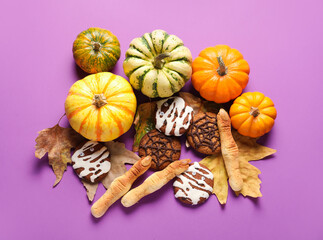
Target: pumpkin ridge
{"x": 117, "y": 120}
{"x": 133, "y": 46}
{"x": 151, "y": 37}
{"x": 164, "y": 40}
{"x": 80, "y": 94}
{"x": 84, "y": 120}
{"x": 115, "y": 53}
{"x": 177, "y": 46}
{"x": 133, "y": 70}
{"x": 79, "y": 109}
{"x": 119, "y": 93}
{"x": 89, "y": 86}
{"x": 111, "y": 78}
{"x": 98, "y": 126}
{"x": 170, "y": 82}
{"x": 184, "y": 59}
{"x": 123, "y": 108}
{"x": 145, "y": 42}
{"x": 182, "y": 75}
{"x": 142, "y": 77}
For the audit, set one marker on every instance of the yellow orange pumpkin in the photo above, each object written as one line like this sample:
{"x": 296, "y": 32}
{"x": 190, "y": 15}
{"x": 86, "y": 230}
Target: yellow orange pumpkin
{"x": 220, "y": 73}
{"x": 253, "y": 114}
{"x": 101, "y": 107}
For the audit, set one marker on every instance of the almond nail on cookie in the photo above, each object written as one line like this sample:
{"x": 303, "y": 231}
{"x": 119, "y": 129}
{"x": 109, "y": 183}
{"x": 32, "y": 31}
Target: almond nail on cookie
{"x": 155, "y": 182}
{"x": 120, "y": 186}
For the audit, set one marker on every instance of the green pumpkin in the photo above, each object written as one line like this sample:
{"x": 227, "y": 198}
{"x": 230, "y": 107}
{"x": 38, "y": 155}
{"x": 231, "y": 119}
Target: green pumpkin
{"x": 158, "y": 64}
{"x": 96, "y": 50}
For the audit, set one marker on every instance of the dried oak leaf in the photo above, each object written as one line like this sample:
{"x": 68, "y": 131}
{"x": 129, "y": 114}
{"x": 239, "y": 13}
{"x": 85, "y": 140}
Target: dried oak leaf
{"x": 57, "y": 141}
{"x": 119, "y": 156}
{"x": 249, "y": 150}
{"x": 144, "y": 122}
{"x": 216, "y": 165}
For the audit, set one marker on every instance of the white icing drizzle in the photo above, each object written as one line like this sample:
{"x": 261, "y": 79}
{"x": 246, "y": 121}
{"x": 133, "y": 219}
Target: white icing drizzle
{"x": 170, "y": 118}
{"x": 82, "y": 160}
{"x": 185, "y": 188}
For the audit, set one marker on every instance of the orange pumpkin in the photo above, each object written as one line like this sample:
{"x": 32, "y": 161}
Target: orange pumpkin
{"x": 220, "y": 73}
{"x": 101, "y": 107}
{"x": 253, "y": 114}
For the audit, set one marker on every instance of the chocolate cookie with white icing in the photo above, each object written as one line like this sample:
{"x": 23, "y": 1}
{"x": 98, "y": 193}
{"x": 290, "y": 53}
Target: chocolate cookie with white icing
{"x": 91, "y": 161}
{"x": 173, "y": 116}
{"x": 195, "y": 185}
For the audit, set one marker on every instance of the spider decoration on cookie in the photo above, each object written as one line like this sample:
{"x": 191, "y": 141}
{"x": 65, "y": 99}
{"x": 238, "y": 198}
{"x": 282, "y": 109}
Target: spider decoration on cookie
{"x": 203, "y": 135}
{"x": 163, "y": 149}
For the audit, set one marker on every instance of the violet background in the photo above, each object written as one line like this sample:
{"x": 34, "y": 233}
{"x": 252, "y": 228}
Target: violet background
{"x": 281, "y": 40}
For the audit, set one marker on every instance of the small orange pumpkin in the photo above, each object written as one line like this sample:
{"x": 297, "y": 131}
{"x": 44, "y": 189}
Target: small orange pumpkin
{"x": 101, "y": 107}
{"x": 253, "y": 114}
{"x": 220, "y": 73}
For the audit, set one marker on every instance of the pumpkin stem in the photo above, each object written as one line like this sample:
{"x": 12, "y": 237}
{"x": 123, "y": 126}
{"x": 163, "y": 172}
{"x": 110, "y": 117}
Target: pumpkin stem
{"x": 222, "y": 70}
{"x": 99, "y": 100}
{"x": 96, "y": 46}
{"x": 254, "y": 111}
{"x": 159, "y": 62}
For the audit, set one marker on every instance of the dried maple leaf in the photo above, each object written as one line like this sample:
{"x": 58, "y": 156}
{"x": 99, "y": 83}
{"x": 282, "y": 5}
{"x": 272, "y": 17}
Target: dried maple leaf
{"x": 119, "y": 156}
{"x": 144, "y": 122}
{"x": 216, "y": 165}
{"x": 57, "y": 141}
{"x": 249, "y": 150}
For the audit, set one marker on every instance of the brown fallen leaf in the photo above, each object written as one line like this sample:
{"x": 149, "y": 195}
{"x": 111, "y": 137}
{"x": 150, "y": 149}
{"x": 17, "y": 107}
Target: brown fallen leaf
{"x": 143, "y": 122}
{"x": 90, "y": 189}
{"x": 57, "y": 141}
{"x": 216, "y": 165}
{"x": 249, "y": 150}
{"x": 119, "y": 156}
{"x": 191, "y": 100}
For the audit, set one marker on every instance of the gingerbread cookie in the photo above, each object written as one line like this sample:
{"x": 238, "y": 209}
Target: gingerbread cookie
{"x": 91, "y": 161}
{"x": 161, "y": 148}
{"x": 173, "y": 116}
{"x": 203, "y": 135}
{"x": 195, "y": 185}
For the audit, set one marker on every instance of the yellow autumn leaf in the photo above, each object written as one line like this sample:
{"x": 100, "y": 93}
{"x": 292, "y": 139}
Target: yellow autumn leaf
{"x": 249, "y": 150}
{"x": 216, "y": 165}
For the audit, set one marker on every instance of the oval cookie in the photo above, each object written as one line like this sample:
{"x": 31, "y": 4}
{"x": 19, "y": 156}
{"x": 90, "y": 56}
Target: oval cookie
{"x": 173, "y": 116}
{"x": 195, "y": 185}
{"x": 91, "y": 161}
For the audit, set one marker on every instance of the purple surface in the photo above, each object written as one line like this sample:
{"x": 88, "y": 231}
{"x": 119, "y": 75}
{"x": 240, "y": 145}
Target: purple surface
{"x": 281, "y": 40}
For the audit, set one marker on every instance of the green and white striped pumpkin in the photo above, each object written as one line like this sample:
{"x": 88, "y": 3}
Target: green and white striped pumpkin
{"x": 158, "y": 64}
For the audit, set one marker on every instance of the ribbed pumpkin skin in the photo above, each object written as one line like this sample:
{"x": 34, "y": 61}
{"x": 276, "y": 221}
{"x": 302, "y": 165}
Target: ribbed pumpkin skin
{"x": 93, "y": 60}
{"x": 245, "y": 122}
{"x": 210, "y": 84}
{"x": 101, "y": 123}
{"x": 154, "y": 82}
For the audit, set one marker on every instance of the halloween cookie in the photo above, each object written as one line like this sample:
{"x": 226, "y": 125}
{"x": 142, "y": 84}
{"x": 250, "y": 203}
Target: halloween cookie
{"x": 203, "y": 135}
{"x": 173, "y": 116}
{"x": 195, "y": 185}
{"x": 163, "y": 149}
{"x": 91, "y": 161}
